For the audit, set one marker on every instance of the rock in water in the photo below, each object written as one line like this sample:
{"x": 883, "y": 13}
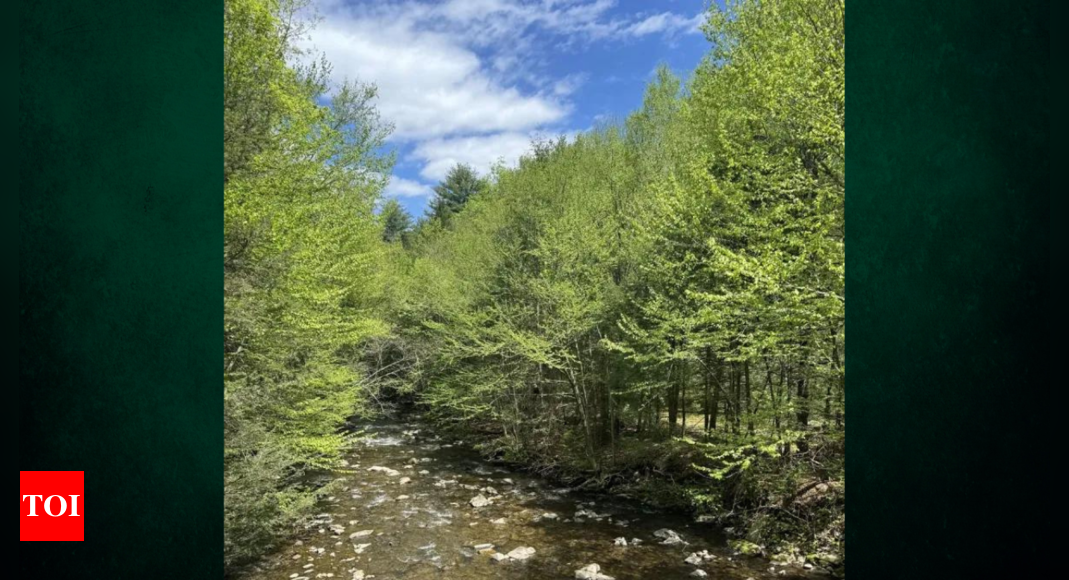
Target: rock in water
{"x": 699, "y": 573}
{"x": 591, "y": 572}
{"x": 337, "y": 530}
{"x": 521, "y": 553}
{"x": 479, "y": 501}
{"x": 670, "y": 537}
{"x": 386, "y": 470}
{"x": 404, "y": 480}
{"x": 498, "y": 556}
{"x": 361, "y": 534}
{"x": 499, "y": 522}
{"x": 693, "y": 560}
{"x": 620, "y": 542}
{"x": 358, "y": 575}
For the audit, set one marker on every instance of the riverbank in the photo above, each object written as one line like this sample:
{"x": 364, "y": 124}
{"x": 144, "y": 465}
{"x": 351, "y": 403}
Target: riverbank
{"x": 789, "y": 509}
{"x": 412, "y": 503}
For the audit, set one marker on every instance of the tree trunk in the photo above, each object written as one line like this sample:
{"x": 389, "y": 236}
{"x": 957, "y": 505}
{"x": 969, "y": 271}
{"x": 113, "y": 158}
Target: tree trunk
{"x": 803, "y": 411}
{"x": 749, "y": 401}
{"x": 841, "y": 382}
{"x": 673, "y": 404}
{"x": 683, "y": 379}
{"x": 736, "y": 391}
{"x": 706, "y": 380}
{"x": 716, "y": 395}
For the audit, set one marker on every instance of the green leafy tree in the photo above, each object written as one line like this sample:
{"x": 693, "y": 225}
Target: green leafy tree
{"x": 302, "y": 275}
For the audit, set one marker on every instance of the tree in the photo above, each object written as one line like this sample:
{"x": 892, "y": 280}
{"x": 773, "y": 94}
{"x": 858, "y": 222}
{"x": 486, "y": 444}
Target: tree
{"x": 450, "y": 196}
{"x": 302, "y": 269}
{"x": 688, "y": 259}
{"x": 396, "y": 223}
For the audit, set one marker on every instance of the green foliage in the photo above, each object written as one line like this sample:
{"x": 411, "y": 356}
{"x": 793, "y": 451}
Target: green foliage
{"x": 450, "y": 196}
{"x": 302, "y": 276}
{"x": 396, "y": 223}
{"x": 688, "y": 261}
{"x": 585, "y": 305}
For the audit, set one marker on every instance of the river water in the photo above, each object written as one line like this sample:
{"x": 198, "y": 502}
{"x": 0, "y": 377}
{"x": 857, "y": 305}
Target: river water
{"x": 414, "y": 520}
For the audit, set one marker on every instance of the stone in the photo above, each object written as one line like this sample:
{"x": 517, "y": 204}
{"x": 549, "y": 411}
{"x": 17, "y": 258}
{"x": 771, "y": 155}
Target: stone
{"x": 699, "y": 573}
{"x": 358, "y": 575}
{"x": 361, "y": 534}
{"x": 669, "y": 537}
{"x": 481, "y": 547}
{"x": 337, "y": 530}
{"x": 386, "y": 470}
{"x": 479, "y": 501}
{"x": 620, "y": 542}
{"x": 499, "y": 522}
{"x": 498, "y": 556}
{"x": 404, "y": 480}
{"x": 521, "y": 553}
{"x": 359, "y": 548}
{"x": 591, "y": 572}
{"x": 693, "y": 560}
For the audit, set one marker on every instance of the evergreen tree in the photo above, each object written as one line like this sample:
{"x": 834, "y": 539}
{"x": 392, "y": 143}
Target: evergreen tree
{"x": 450, "y": 196}
{"x": 396, "y": 223}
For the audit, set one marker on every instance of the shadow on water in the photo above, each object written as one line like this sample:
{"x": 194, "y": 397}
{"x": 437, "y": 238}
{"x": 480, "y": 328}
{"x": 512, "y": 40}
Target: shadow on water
{"x": 404, "y": 510}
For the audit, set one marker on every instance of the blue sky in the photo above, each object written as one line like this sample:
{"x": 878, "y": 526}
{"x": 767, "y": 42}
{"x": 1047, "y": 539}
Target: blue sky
{"x": 474, "y": 81}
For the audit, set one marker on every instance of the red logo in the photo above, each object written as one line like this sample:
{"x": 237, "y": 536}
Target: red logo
{"x": 53, "y": 506}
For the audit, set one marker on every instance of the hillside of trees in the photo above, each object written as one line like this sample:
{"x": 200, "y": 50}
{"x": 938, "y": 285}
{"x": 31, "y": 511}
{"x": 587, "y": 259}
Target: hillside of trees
{"x": 654, "y": 307}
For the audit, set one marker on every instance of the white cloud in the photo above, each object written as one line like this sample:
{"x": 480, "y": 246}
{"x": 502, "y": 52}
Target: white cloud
{"x": 569, "y": 84}
{"x": 465, "y": 81}
{"x": 666, "y": 23}
{"x": 481, "y": 152}
{"x": 429, "y": 86}
{"x": 401, "y": 187}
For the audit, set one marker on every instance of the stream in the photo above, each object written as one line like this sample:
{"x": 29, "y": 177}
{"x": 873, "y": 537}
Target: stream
{"x": 413, "y": 506}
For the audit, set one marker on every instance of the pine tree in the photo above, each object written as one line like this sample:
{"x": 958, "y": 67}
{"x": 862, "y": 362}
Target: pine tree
{"x": 450, "y": 196}
{"x": 396, "y": 223}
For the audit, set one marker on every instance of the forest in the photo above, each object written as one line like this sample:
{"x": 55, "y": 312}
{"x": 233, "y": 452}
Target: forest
{"x": 654, "y": 307}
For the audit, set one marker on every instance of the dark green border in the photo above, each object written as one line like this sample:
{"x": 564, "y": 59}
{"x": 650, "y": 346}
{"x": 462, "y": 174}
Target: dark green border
{"x": 119, "y": 280}
{"x": 947, "y": 283}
